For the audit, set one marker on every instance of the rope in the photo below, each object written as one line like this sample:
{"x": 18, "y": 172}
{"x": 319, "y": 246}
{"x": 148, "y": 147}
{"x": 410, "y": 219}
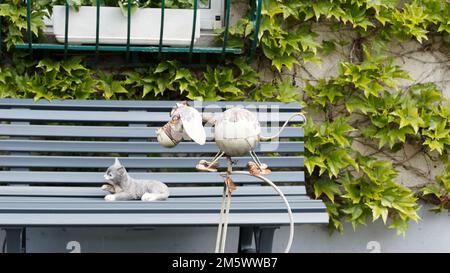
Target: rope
{"x": 225, "y": 224}
{"x": 224, "y": 212}
{"x": 221, "y": 233}
{"x": 288, "y": 207}
{"x": 221, "y": 220}
{"x": 284, "y": 126}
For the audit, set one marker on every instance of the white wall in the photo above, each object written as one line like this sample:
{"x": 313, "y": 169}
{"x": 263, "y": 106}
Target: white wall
{"x": 430, "y": 235}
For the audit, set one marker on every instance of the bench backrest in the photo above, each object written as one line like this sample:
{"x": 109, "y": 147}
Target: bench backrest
{"x": 72, "y": 142}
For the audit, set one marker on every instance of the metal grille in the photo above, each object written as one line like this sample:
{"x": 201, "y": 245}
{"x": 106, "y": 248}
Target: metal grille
{"x": 160, "y": 48}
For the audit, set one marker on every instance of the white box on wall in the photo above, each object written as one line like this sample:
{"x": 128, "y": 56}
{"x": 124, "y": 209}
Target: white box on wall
{"x": 145, "y": 26}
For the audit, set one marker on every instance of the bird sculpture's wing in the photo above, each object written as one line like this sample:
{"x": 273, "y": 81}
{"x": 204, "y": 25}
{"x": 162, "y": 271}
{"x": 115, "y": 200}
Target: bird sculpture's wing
{"x": 192, "y": 124}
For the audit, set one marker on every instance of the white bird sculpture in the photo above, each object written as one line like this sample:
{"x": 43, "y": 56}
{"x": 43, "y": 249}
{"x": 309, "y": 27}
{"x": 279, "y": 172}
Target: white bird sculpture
{"x": 237, "y": 132}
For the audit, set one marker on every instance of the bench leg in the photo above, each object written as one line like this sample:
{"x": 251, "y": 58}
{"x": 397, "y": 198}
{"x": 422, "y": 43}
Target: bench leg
{"x": 15, "y": 240}
{"x": 264, "y": 239}
{"x": 246, "y": 240}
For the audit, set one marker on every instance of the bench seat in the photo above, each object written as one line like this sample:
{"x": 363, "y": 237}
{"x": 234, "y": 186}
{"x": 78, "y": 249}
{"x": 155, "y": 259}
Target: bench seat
{"x": 53, "y": 156}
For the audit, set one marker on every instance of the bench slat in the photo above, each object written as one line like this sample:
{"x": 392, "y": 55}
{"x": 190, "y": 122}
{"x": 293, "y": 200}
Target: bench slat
{"x": 113, "y": 131}
{"x": 136, "y": 162}
{"x": 175, "y": 192}
{"x": 137, "y": 206}
{"x": 197, "y": 199}
{"x": 134, "y": 147}
{"x": 29, "y": 177}
{"x": 112, "y": 116}
{"x": 162, "y": 219}
{"x": 134, "y": 105}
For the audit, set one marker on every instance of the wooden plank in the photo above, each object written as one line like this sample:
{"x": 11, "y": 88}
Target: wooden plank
{"x": 30, "y": 177}
{"x": 113, "y": 131}
{"x": 135, "y": 147}
{"x": 206, "y": 199}
{"x": 139, "y": 105}
{"x": 112, "y": 116}
{"x": 130, "y": 162}
{"x": 175, "y": 192}
{"x": 137, "y": 206}
{"x": 161, "y": 219}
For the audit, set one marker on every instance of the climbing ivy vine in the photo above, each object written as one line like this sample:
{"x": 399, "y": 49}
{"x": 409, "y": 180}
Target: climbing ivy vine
{"x": 362, "y": 105}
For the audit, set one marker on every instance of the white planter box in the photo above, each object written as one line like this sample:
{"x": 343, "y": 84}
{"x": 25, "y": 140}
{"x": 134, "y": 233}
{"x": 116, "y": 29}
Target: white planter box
{"x": 145, "y": 26}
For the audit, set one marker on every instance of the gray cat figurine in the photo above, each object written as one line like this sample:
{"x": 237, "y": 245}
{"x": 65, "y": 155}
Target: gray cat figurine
{"x": 124, "y": 187}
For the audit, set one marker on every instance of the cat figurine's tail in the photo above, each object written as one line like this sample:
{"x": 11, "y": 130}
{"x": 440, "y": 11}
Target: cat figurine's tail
{"x": 154, "y": 196}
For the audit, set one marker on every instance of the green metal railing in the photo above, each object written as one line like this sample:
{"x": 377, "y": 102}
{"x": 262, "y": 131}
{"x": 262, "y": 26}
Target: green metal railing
{"x": 159, "y": 48}
{"x": 194, "y": 23}
{"x": 256, "y": 18}
{"x": 1, "y": 37}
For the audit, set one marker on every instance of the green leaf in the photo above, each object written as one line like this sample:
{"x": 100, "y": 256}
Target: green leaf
{"x": 163, "y": 66}
{"x": 432, "y": 189}
{"x": 409, "y": 115}
{"x": 321, "y": 8}
{"x": 124, "y": 8}
{"x": 357, "y": 103}
{"x": 285, "y": 60}
{"x": 182, "y": 74}
{"x": 378, "y": 211}
{"x": 312, "y": 161}
{"x": 327, "y": 187}
{"x": 331, "y": 92}
{"x": 48, "y": 65}
{"x": 400, "y": 225}
{"x": 355, "y": 211}
{"x": 336, "y": 161}
{"x": 147, "y": 89}
{"x": 72, "y": 64}
{"x": 231, "y": 89}
{"x": 287, "y": 92}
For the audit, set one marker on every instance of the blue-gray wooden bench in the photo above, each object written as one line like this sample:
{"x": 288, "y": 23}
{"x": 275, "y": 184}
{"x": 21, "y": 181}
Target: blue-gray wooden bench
{"x": 53, "y": 155}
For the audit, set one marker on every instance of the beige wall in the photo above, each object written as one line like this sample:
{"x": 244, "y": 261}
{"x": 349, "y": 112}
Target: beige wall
{"x": 427, "y": 62}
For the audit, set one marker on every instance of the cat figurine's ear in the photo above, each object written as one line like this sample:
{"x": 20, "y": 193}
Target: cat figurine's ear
{"x": 120, "y": 168}
{"x": 117, "y": 162}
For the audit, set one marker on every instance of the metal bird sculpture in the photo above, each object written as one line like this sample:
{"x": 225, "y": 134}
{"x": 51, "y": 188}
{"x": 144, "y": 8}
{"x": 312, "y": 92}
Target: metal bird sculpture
{"x": 237, "y": 132}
